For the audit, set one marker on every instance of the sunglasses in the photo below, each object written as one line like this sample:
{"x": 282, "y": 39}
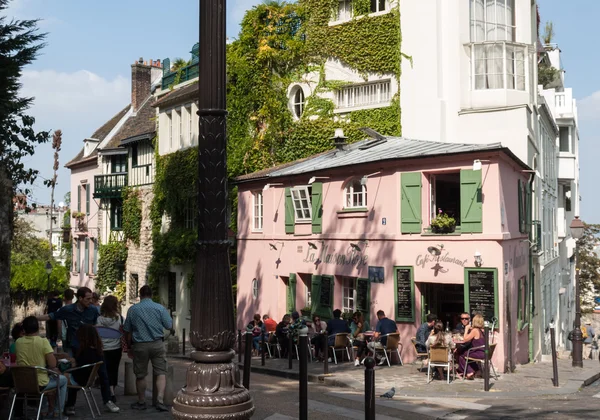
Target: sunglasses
{"x": 466, "y": 319}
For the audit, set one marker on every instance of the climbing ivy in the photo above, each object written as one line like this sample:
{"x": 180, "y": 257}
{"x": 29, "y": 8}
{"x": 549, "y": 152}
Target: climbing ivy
{"x": 111, "y": 265}
{"x": 132, "y": 215}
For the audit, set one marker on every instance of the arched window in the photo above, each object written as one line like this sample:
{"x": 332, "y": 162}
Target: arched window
{"x": 356, "y": 195}
{"x": 298, "y": 102}
{"x": 254, "y": 288}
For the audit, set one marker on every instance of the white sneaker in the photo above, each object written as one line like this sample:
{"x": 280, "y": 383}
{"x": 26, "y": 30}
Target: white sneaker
{"x": 356, "y": 362}
{"x": 110, "y": 406}
{"x": 381, "y": 362}
{"x": 362, "y": 362}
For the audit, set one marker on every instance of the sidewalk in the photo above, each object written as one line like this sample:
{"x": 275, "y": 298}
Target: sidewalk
{"x": 534, "y": 379}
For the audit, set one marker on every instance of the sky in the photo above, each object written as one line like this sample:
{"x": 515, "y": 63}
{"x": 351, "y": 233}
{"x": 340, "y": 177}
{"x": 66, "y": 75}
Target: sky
{"x": 82, "y": 77}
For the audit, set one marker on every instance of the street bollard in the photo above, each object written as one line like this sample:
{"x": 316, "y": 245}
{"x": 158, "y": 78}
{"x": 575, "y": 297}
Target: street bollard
{"x": 183, "y": 348}
{"x": 239, "y": 346}
{"x": 247, "y": 359}
{"x": 263, "y": 348}
{"x": 554, "y": 361}
{"x": 290, "y": 352}
{"x": 369, "y": 388}
{"x": 325, "y": 354}
{"x": 486, "y": 363}
{"x": 303, "y": 355}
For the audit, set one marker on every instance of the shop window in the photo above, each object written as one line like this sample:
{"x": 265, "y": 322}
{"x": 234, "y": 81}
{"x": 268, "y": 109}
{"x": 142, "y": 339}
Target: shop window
{"x": 254, "y": 288}
{"x": 348, "y": 295}
{"x": 257, "y": 211}
{"x": 302, "y": 204}
{"x": 356, "y": 195}
{"x": 445, "y": 195}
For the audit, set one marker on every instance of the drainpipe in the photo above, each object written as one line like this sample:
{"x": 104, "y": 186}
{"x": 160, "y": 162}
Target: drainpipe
{"x": 531, "y": 273}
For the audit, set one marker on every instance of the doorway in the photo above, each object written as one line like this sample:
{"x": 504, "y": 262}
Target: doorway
{"x": 447, "y": 301}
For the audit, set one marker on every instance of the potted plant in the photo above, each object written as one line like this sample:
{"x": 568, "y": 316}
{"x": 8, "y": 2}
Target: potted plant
{"x": 305, "y": 311}
{"x": 80, "y": 217}
{"x": 443, "y": 223}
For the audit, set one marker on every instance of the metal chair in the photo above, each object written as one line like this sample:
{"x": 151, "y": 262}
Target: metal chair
{"x": 273, "y": 342}
{"x": 480, "y": 362}
{"x": 340, "y": 343}
{"x": 392, "y": 343}
{"x": 26, "y": 386}
{"x": 310, "y": 351}
{"x": 87, "y": 388}
{"x": 440, "y": 356}
{"x": 420, "y": 355}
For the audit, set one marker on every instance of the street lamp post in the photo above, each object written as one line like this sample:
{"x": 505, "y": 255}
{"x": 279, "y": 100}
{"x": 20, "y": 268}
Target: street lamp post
{"x": 577, "y": 227}
{"x": 48, "y": 271}
{"x": 213, "y": 389}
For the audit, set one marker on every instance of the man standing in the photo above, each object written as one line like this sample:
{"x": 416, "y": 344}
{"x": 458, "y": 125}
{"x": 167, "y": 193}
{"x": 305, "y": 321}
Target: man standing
{"x": 587, "y": 342}
{"x": 53, "y": 304}
{"x": 424, "y": 332}
{"x": 144, "y": 327}
{"x": 465, "y": 319}
{"x": 384, "y": 326}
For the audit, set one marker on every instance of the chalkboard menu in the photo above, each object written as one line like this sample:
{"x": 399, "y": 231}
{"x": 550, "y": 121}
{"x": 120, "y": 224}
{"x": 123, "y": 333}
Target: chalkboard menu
{"x": 325, "y": 298}
{"x": 362, "y": 294}
{"x": 404, "y": 294}
{"x": 482, "y": 292}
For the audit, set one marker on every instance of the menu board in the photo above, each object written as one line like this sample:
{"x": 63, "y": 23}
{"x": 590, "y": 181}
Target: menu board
{"x": 362, "y": 294}
{"x": 325, "y": 298}
{"x": 482, "y": 293}
{"x": 404, "y": 295}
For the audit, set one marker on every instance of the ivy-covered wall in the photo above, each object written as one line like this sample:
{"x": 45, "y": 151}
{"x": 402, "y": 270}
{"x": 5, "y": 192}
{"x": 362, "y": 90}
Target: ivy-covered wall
{"x": 111, "y": 265}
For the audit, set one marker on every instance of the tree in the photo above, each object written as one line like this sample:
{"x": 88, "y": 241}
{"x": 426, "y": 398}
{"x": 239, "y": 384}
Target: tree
{"x": 20, "y": 42}
{"x": 589, "y": 265}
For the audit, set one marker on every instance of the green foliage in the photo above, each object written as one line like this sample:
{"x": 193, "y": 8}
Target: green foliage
{"x": 121, "y": 292}
{"x": 132, "y": 215}
{"x": 32, "y": 277}
{"x": 111, "y": 265}
{"x": 546, "y": 74}
{"x": 175, "y": 247}
{"x": 589, "y": 264}
{"x": 443, "y": 223}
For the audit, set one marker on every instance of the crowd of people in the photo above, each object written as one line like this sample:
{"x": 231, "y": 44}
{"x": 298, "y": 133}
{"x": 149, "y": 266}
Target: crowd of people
{"x": 91, "y": 333}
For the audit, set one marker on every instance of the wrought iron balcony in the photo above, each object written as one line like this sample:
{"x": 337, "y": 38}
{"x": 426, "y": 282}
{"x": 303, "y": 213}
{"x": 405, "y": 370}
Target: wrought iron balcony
{"x": 109, "y": 186}
{"x": 183, "y": 74}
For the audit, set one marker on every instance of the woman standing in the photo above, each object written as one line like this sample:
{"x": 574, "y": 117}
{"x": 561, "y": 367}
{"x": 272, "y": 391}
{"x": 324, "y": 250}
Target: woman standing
{"x": 111, "y": 318}
{"x": 473, "y": 335}
{"x": 358, "y": 328}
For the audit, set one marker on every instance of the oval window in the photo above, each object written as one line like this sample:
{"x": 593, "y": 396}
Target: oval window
{"x": 254, "y": 288}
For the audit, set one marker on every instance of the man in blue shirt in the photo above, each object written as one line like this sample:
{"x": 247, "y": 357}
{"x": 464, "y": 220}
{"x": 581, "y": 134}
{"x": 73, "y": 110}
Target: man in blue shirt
{"x": 384, "y": 326}
{"x": 144, "y": 326}
{"x": 424, "y": 332}
{"x": 336, "y": 326}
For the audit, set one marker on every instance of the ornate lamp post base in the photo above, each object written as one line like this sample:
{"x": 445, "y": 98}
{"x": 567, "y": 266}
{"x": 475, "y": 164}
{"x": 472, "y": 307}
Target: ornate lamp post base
{"x": 213, "y": 389}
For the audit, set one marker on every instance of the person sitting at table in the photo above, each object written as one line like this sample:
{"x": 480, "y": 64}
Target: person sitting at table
{"x": 424, "y": 332}
{"x": 336, "y": 325}
{"x": 296, "y": 325}
{"x": 16, "y": 333}
{"x": 281, "y": 332}
{"x": 473, "y": 335}
{"x": 384, "y": 327}
{"x": 358, "y": 326}
{"x": 256, "y": 327}
{"x": 270, "y": 323}
{"x": 465, "y": 319}
{"x": 314, "y": 331}
{"x": 439, "y": 338}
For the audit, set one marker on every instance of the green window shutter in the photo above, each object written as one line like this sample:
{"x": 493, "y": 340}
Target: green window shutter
{"x": 410, "y": 208}
{"x": 87, "y": 199}
{"x": 79, "y": 198}
{"x": 317, "y": 207}
{"x": 520, "y": 203}
{"x": 290, "y": 218}
{"x": 363, "y": 297}
{"x": 528, "y": 199}
{"x": 291, "y": 293}
{"x": 471, "y": 202}
{"x": 86, "y": 256}
{"x": 315, "y": 293}
{"x": 78, "y": 268}
{"x": 322, "y": 296}
{"x": 95, "y": 263}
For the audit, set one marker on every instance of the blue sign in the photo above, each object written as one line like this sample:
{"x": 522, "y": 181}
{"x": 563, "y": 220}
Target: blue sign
{"x": 376, "y": 274}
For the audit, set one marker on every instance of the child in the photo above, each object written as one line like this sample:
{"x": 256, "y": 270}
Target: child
{"x": 16, "y": 333}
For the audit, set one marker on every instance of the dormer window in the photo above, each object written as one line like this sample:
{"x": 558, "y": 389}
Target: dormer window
{"x": 356, "y": 195}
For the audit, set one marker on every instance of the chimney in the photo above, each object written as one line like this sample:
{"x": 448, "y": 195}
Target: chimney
{"x": 339, "y": 140}
{"x": 140, "y": 83}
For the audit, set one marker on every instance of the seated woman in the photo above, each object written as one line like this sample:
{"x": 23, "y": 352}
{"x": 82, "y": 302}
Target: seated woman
{"x": 314, "y": 331}
{"x": 473, "y": 335}
{"x": 281, "y": 332}
{"x": 357, "y": 329}
{"x": 439, "y": 338}
{"x": 256, "y": 327}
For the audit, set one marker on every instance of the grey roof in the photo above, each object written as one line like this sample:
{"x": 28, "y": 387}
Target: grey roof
{"x": 370, "y": 150}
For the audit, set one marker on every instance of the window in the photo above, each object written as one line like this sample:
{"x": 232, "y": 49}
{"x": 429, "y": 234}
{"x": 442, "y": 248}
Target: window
{"x": 564, "y": 140}
{"x": 118, "y": 164}
{"x": 190, "y": 211}
{"x": 180, "y": 122}
{"x": 116, "y": 214}
{"x": 190, "y": 125}
{"x": 170, "y": 128}
{"x": 344, "y": 10}
{"x": 302, "y": 203}
{"x": 254, "y": 288}
{"x": 87, "y": 198}
{"x": 257, "y": 207}
{"x": 298, "y": 102}
{"x": 377, "y": 6}
{"x": 523, "y": 303}
{"x": 445, "y": 195}
{"x": 356, "y": 195}
{"x": 134, "y": 155}
{"x": 498, "y": 66}
{"x": 172, "y": 292}
{"x": 364, "y": 94}
{"x": 492, "y": 20}
{"x": 134, "y": 286}
{"x": 348, "y": 297}
{"x": 78, "y": 255}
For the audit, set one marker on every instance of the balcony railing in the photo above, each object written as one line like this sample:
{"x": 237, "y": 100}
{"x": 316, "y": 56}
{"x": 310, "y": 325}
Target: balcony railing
{"x": 188, "y": 72}
{"x": 109, "y": 186}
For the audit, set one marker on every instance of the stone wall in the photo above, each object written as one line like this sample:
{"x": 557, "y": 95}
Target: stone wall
{"x": 27, "y": 308}
{"x": 139, "y": 257}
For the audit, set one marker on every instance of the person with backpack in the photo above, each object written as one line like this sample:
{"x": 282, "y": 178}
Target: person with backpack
{"x": 587, "y": 333}
{"x": 111, "y": 318}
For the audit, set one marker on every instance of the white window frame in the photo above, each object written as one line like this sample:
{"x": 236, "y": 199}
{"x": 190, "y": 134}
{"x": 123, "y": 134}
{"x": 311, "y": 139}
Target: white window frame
{"x": 496, "y": 26}
{"x": 170, "y": 129}
{"x": 345, "y": 11}
{"x": 298, "y": 104}
{"x": 190, "y": 124}
{"x": 351, "y": 195}
{"x": 255, "y": 288}
{"x": 513, "y": 72}
{"x": 377, "y": 4}
{"x": 257, "y": 211}
{"x": 348, "y": 295}
{"x": 180, "y": 122}
{"x": 301, "y": 199}
{"x": 364, "y": 95}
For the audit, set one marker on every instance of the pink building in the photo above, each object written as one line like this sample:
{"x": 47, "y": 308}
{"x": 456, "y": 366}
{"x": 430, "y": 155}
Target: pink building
{"x": 351, "y": 229}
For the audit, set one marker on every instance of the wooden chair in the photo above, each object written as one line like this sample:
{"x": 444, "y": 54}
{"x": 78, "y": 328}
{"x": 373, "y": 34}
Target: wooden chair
{"x": 87, "y": 388}
{"x": 392, "y": 343}
{"x": 420, "y": 355}
{"x": 26, "y": 386}
{"x": 340, "y": 343}
{"x": 480, "y": 362}
{"x": 440, "y": 356}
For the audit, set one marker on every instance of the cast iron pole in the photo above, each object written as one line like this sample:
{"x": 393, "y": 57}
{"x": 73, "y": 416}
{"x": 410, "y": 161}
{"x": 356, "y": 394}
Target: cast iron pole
{"x": 577, "y": 335}
{"x": 212, "y": 386}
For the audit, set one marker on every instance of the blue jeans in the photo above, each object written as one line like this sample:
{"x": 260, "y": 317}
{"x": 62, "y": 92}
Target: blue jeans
{"x": 62, "y": 390}
{"x": 256, "y": 342}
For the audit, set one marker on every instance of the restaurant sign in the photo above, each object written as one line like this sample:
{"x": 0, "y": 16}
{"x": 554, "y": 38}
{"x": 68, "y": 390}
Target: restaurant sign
{"x": 439, "y": 259}
{"x": 352, "y": 257}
